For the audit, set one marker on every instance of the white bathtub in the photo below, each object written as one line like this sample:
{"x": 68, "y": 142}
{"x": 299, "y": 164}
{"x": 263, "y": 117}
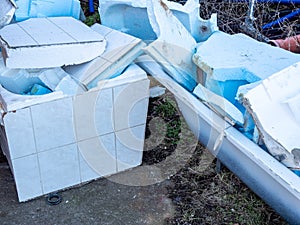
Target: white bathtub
{"x": 269, "y": 179}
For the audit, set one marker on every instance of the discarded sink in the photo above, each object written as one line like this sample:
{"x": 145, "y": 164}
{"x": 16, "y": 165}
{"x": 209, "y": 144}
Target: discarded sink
{"x": 62, "y": 140}
{"x": 42, "y": 8}
{"x": 130, "y": 16}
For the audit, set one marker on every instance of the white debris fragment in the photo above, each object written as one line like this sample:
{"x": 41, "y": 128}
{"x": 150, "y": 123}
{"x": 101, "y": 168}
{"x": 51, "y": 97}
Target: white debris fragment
{"x": 49, "y": 42}
{"x": 276, "y": 96}
{"x": 69, "y": 86}
{"x": 7, "y": 10}
{"x": 120, "y": 51}
{"x": 157, "y": 91}
{"x": 219, "y": 104}
{"x": 174, "y": 47}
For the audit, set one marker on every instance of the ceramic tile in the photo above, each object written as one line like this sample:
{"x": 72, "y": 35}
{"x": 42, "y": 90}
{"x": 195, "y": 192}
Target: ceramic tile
{"x": 93, "y": 114}
{"x": 66, "y": 38}
{"x": 53, "y": 124}
{"x": 59, "y": 168}
{"x": 19, "y": 132}
{"x": 129, "y": 145}
{"x": 86, "y": 72}
{"x": 119, "y": 43}
{"x": 131, "y": 104}
{"x": 97, "y": 157}
{"x": 27, "y": 177}
{"x": 103, "y": 30}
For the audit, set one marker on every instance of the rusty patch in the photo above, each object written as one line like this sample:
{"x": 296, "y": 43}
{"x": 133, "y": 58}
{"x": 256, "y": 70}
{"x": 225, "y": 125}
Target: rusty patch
{"x": 164, "y": 5}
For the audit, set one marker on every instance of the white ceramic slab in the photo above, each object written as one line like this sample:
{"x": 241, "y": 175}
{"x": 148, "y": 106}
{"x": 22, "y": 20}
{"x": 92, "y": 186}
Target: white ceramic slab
{"x": 7, "y": 10}
{"x": 274, "y": 106}
{"x": 120, "y": 51}
{"x": 174, "y": 47}
{"x": 63, "y": 41}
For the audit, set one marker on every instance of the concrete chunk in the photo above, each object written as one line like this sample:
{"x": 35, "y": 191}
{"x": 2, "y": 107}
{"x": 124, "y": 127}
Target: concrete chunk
{"x": 174, "y": 47}
{"x": 276, "y": 96}
{"x": 49, "y": 42}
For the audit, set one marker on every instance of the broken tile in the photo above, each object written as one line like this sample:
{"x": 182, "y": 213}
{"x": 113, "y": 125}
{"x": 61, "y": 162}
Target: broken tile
{"x": 120, "y": 51}
{"x": 219, "y": 104}
{"x": 7, "y": 10}
{"x": 40, "y": 8}
{"x": 69, "y": 86}
{"x": 278, "y": 93}
{"x": 130, "y": 16}
{"x": 240, "y": 61}
{"x": 64, "y": 41}
{"x": 174, "y": 47}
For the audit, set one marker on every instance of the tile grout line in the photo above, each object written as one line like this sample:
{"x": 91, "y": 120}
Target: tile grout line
{"x": 37, "y": 155}
{"x": 114, "y": 125}
{"x": 76, "y": 137}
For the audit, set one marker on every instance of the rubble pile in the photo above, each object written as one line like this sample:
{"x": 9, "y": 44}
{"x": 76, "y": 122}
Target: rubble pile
{"x": 88, "y": 85}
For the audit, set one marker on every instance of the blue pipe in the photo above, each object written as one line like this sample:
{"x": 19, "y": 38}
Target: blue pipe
{"x": 271, "y": 1}
{"x": 91, "y": 6}
{"x": 280, "y": 20}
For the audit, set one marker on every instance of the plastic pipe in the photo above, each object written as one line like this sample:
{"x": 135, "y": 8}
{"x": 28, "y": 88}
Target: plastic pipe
{"x": 91, "y": 6}
{"x": 280, "y": 20}
{"x": 270, "y": 1}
